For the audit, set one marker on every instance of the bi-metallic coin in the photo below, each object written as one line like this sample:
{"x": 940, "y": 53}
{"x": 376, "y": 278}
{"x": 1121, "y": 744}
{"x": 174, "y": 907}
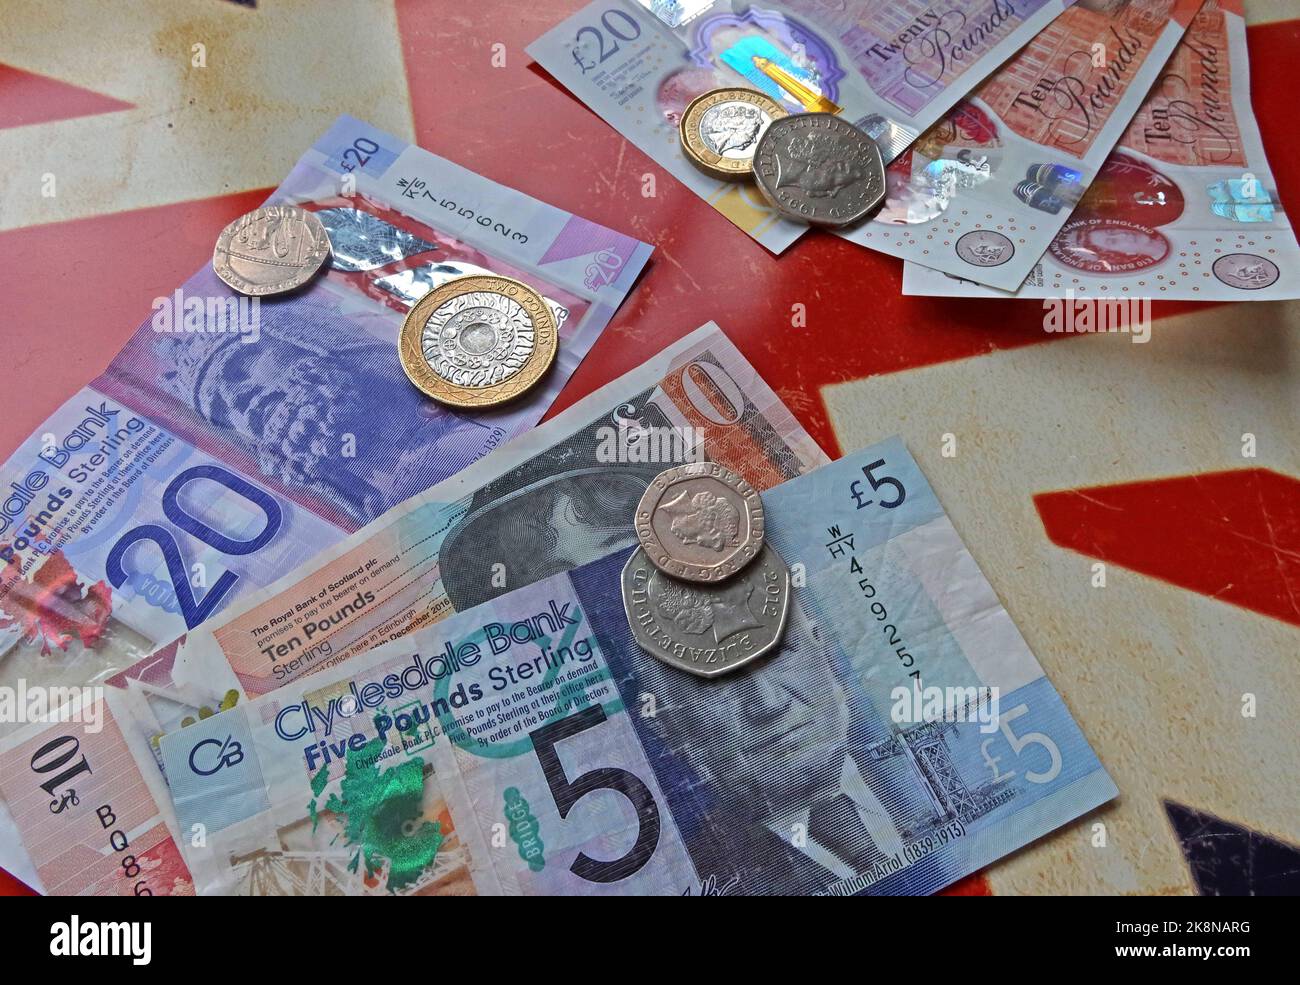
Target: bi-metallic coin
{"x": 720, "y": 130}
{"x": 478, "y": 341}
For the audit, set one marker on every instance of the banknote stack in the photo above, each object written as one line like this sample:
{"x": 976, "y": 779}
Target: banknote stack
{"x": 298, "y": 598}
{"x": 1183, "y": 207}
{"x": 237, "y": 433}
{"x": 454, "y": 698}
{"x": 272, "y": 666}
{"x": 1098, "y": 148}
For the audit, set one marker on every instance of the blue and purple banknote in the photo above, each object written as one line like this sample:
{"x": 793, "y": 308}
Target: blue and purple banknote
{"x": 893, "y": 67}
{"x": 232, "y": 438}
{"x": 901, "y": 737}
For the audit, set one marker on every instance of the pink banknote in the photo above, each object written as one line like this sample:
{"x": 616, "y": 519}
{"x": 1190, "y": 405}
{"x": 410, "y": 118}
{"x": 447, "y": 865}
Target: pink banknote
{"x": 982, "y": 193}
{"x": 1185, "y": 207}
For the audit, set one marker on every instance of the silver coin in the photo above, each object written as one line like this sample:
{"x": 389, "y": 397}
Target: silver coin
{"x": 817, "y": 168}
{"x": 271, "y": 250}
{"x": 700, "y": 522}
{"x": 707, "y": 629}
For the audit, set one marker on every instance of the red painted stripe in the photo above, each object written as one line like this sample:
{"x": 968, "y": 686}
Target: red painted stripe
{"x": 1234, "y": 536}
{"x": 27, "y": 98}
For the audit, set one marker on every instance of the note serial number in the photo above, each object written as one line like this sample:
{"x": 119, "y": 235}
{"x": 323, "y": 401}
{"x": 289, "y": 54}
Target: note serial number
{"x": 893, "y": 638}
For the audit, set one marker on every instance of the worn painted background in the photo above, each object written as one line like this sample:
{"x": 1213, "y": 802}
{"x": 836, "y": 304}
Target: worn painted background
{"x": 1070, "y": 450}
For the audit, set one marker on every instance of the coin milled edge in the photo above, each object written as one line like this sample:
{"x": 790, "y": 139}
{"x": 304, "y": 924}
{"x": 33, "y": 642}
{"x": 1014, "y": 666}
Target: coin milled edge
{"x": 227, "y": 275}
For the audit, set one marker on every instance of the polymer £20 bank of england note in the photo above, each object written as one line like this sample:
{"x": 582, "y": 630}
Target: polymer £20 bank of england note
{"x": 893, "y": 67}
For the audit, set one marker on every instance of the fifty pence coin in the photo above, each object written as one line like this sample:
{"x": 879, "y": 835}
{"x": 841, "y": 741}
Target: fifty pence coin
{"x": 478, "y": 341}
{"x": 720, "y": 130}
{"x": 817, "y": 168}
{"x": 271, "y": 250}
{"x": 707, "y": 629}
{"x": 700, "y": 522}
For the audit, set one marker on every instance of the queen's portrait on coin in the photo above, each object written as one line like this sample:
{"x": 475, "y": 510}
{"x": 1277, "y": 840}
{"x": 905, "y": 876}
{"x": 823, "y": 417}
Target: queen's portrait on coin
{"x": 731, "y": 127}
{"x": 703, "y": 519}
